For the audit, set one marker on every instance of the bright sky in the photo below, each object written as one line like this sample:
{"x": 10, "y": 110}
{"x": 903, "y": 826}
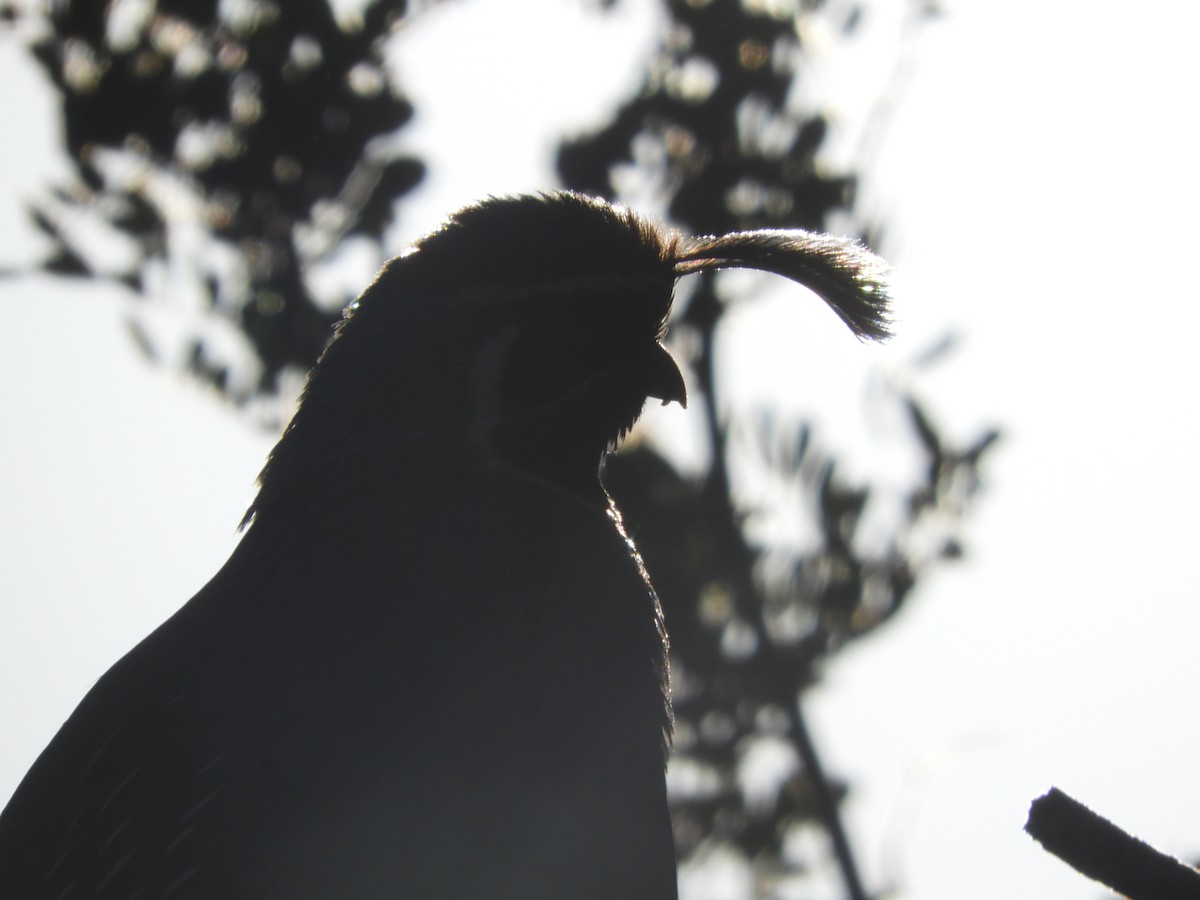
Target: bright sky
{"x": 1040, "y": 188}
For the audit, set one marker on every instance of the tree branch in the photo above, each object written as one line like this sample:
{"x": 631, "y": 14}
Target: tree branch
{"x": 1097, "y": 848}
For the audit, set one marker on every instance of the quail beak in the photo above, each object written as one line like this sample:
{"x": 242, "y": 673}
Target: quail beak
{"x": 662, "y": 377}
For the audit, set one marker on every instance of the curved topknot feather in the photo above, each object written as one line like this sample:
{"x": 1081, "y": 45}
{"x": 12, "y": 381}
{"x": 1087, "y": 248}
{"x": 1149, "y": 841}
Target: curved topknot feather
{"x": 843, "y": 273}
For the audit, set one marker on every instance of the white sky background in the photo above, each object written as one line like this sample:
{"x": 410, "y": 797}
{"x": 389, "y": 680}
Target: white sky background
{"x": 1040, "y": 191}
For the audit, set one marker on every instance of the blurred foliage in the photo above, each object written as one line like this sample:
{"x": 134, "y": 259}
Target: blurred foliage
{"x": 227, "y": 149}
{"x": 744, "y": 646}
{"x": 223, "y": 150}
{"x": 716, "y": 136}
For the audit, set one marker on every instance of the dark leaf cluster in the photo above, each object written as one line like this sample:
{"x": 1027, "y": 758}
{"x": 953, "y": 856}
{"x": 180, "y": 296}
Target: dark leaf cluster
{"x": 242, "y": 140}
{"x": 713, "y": 127}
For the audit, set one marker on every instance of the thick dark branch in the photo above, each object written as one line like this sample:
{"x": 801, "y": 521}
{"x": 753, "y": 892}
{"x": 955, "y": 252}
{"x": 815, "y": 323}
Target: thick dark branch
{"x": 1097, "y": 848}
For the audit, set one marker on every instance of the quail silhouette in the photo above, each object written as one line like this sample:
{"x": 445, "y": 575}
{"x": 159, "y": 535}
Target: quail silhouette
{"x": 434, "y": 667}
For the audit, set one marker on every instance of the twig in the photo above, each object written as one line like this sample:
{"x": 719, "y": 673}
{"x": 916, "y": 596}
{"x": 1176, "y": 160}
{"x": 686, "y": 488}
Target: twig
{"x": 718, "y": 485}
{"x": 828, "y": 803}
